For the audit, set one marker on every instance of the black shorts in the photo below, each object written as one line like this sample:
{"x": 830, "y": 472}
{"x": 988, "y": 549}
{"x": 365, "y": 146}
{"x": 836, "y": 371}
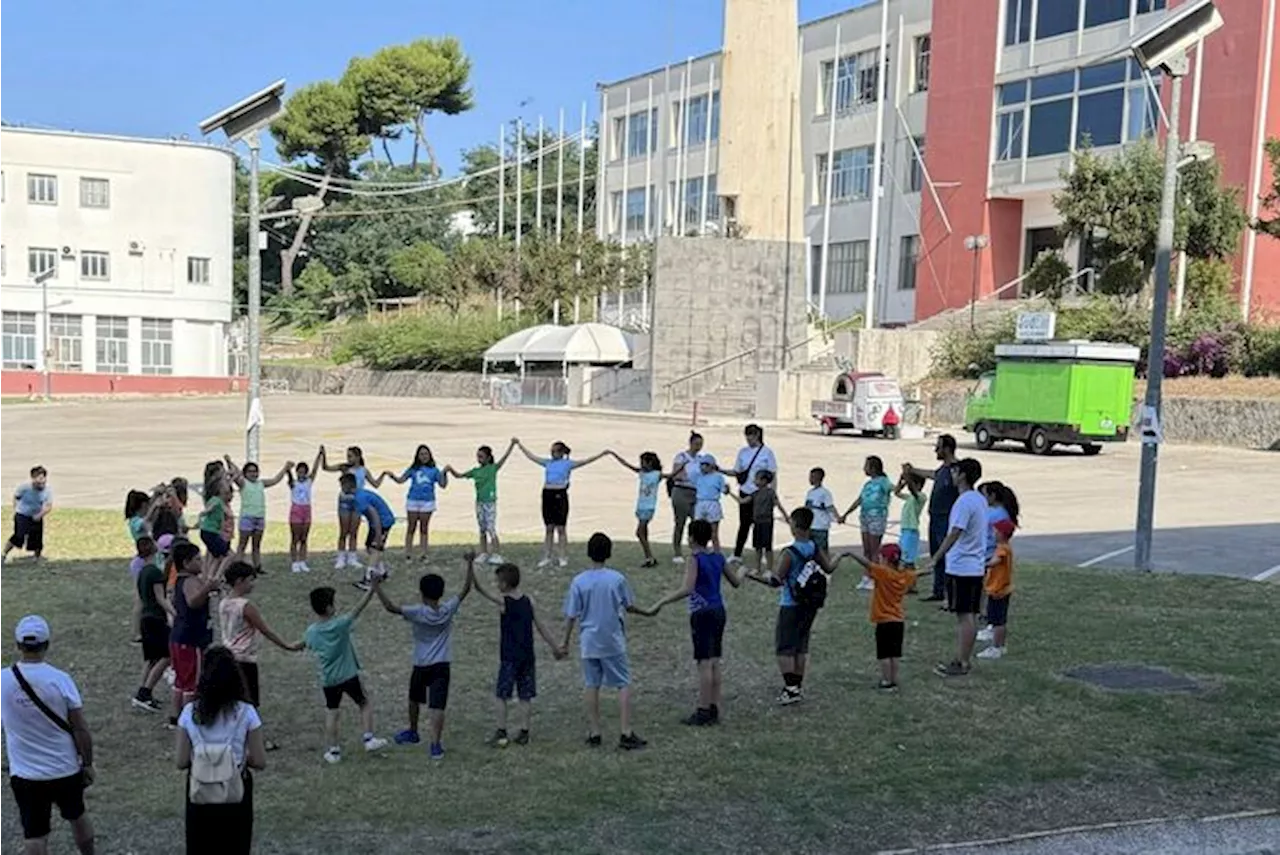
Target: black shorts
{"x": 762, "y": 534}
{"x": 250, "y": 672}
{"x": 519, "y": 678}
{"x": 351, "y": 688}
{"x": 377, "y": 543}
{"x": 707, "y": 628}
{"x": 217, "y": 545}
{"x": 555, "y": 507}
{"x": 889, "y": 639}
{"x": 429, "y": 684}
{"x": 155, "y": 639}
{"x": 998, "y": 610}
{"x": 28, "y": 533}
{"x": 791, "y": 635}
{"x": 967, "y": 594}
{"x": 36, "y": 800}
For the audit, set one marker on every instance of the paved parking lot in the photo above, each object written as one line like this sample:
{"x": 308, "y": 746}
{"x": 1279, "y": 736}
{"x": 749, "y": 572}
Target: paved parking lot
{"x": 1218, "y": 509}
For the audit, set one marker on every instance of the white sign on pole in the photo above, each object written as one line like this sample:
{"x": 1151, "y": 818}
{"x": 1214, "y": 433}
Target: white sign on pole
{"x": 1149, "y": 427}
{"x": 1036, "y": 326}
{"x": 256, "y": 417}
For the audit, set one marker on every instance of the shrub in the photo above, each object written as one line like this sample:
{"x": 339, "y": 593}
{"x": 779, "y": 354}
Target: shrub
{"x": 431, "y": 341}
{"x": 1048, "y": 274}
{"x": 1261, "y": 351}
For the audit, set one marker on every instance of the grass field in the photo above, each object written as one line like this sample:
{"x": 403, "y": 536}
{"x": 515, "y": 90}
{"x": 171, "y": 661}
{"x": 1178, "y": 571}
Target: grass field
{"x": 1012, "y": 748}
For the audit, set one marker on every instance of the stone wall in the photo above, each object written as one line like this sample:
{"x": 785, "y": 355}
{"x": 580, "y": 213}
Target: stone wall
{"x": 905, "y": 354}
{"x": 714, "y": 297}
{"x": 362, "y": 381}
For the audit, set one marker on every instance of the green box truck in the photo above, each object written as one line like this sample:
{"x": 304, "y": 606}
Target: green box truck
{"x": 1054, "y": 393}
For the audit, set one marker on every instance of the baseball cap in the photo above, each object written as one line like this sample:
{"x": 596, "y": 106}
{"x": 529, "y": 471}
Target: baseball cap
{"x": 1005, "y": 527}
{"x": 891, "y": 552}
{"x": 165, "y": 542}
{"x": 239, "y": 570}
{"x": 706, "y": 460}
{"x": 31, "y": 630}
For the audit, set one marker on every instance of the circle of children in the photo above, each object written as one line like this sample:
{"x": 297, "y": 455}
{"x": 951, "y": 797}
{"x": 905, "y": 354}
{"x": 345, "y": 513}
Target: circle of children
{"x": 970, "y": 525}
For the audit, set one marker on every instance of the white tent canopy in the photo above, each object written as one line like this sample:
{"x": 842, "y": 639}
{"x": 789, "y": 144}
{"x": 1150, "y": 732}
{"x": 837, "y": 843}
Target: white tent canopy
{"x": 579, "y": 343}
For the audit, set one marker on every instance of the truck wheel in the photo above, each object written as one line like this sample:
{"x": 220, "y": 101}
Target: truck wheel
{"x": 982, "y": 436}
{"x": 1038, "y": 442}
{"x": 1090, "y": 448}
{"x": 825, "y": 428}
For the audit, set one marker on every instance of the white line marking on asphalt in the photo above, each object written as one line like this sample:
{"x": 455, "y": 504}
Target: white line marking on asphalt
{"x": 1267, "y": 574}
{"x": 1104, "y": 557}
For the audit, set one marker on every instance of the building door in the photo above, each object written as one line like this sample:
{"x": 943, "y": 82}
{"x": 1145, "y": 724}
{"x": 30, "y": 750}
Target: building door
{"x": 1038, "y": 241}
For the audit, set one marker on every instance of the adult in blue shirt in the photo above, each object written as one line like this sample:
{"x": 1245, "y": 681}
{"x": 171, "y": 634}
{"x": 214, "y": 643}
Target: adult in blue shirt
{"x": 380, "y": 517}
{"x": 941, "y": 498}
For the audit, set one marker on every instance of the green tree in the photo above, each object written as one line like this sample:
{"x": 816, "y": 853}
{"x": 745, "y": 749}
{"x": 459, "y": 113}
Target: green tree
{"x": 1112, "y": 204}
{"x": 1270, "y": 223}
{"x": 319, "y": 127}
{"x": 428, "y": 271}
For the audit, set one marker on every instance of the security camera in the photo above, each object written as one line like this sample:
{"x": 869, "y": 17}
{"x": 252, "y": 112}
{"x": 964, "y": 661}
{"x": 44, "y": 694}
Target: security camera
{"x": 1169, "y": 40}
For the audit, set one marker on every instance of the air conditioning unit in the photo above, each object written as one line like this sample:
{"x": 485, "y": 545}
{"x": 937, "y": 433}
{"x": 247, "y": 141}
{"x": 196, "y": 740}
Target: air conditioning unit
{"x": 68, "y": 252}
{"x": 136, "y": 247}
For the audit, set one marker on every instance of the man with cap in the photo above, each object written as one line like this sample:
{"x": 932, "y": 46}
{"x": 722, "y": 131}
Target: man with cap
{"x": 47, "y": 741}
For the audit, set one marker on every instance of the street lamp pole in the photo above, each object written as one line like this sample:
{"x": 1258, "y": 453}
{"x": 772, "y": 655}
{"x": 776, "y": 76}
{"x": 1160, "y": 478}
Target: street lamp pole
{"x": 975, "y": 244}
{"x": 253, "y": 407}
{"x": 1176, "y": 69}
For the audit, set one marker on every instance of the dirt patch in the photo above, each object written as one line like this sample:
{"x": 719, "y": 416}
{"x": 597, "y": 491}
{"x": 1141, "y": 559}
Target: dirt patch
{"x": 1119, "y": 677}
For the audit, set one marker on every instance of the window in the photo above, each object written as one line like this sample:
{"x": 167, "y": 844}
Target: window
{"x": 615, "y": 211}
{"x": 692, "y": 201}
{"x": 635, "y": 211}
{"x": 1145, "y": 6}
{"x": 1144, "y": 112}
{"x": 95, "y": 193}
{"x": 923, "y": 46}
{"x": 642, "y": 132}
{"x": 846, "y": 267}
{"x": 19, "y": 339}
{"x": 1050, "y": 128}
{"x": 157, "y": 346}
{"x": 857, "y": 82}
{"x": 112, "y": 345}
{"x": 915, "y": 169}
{"x": 40, "y": 259}
{"x": 703, "y": 118}
{"x": 617, "y": 138}
{"x": 907, "y": 258}
{"x": 65, "y": 343}
{"x": 42, "y": 189}
{"x": 1057, "y": 17}
{"x": 95, "y": 265}
{"x": 1017, "y": 21}
{"x": 197, "y": 270}
{"x": 1099, "y": 12}
{"x": 852, "y": 176}
{"x": 1100, "y": 118}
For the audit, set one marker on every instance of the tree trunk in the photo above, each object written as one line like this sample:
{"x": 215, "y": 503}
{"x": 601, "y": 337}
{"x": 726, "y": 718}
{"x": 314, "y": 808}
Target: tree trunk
{"x": 417, "y": 138}
{"x": 387, "y": 151}
{"x": 289, "y": 254}
{"x": 420, "y": 133}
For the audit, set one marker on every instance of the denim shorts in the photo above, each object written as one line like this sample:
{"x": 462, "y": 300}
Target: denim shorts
{"x": 252, "y": 524}
{"x": 611, "y": 672}
{"x": 909, "y": 541}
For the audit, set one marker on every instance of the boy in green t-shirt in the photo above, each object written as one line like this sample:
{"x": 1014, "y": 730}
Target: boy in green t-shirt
{"x": 909, "y": 527}
{"x": 330, "y": 639}
{"x": 485, "y": 474}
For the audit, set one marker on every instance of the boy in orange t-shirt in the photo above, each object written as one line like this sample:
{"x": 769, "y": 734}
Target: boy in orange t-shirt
{"x": 891, "y": 585}
{"x": 999, "y": 588}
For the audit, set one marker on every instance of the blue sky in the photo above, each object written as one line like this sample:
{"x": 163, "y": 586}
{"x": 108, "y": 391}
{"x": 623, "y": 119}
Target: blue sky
{"x": 156, "y": 68}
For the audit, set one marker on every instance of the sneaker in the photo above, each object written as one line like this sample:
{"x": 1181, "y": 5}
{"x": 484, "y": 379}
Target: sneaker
{"x": 333, "y": 755}
{"x": 866, "y": 584}
{"x": 495, "y": 559}
{"x": 374, "y": 743}
{"x": 700, "y": 718}
{"x": 340, "y": 563}
{"x": 790, "y": 696}
{"x": 482, "y": 558}
{"x": 649, "y": 562}
{"x": 407, "y": 737}
{"x": 678, "y": 559}
{"x": 987, "y": 634}
{"x": 437, "y": 751}
{"x": 353, "y": 563}
{"x": 954, "y": 668}
{"x": 992, "y": 652}
{"x": 887, "y": 687}
{"x": 172, "y": 723}
{"x": 631, "y": 742}
{"x": 302, "y": 566}
{"x": 594, "y": 740}
{"x": 499, "y": 739}
{"x": 296, "y": 567}
{"x": 150, "y": 705}
{"x": 544, "y": 563}
{"x": 563, "y": 562}
{"x": 522, "y": 738}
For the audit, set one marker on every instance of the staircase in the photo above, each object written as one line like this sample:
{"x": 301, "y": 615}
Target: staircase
{"x": 733, "y": 400}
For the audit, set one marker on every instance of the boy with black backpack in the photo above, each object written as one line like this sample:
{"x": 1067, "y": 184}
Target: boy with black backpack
{"x": 802, "y": 577}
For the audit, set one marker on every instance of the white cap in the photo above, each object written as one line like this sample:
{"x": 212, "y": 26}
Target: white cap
{"x": 706, "y": 460}
{"x": 32, "y": 629}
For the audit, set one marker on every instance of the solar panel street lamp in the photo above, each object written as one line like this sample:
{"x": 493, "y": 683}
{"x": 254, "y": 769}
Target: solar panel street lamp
{"x": 241, "y": 122}
{"x": 1164, "y": 48}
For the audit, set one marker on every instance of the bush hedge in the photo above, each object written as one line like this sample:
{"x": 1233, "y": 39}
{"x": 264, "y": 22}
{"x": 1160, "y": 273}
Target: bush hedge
{"x": 430, "y": 341}
{"x": 1211, "y": 341}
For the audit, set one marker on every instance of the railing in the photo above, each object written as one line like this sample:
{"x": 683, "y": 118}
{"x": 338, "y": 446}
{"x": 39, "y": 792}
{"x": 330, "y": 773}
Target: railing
{"x": 1072, "y": 289}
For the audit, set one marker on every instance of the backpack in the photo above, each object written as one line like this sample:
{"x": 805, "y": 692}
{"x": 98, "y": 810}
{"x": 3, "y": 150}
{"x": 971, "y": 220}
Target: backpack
{"x": 808, "y": 584}
{"x": 215, "y": 777}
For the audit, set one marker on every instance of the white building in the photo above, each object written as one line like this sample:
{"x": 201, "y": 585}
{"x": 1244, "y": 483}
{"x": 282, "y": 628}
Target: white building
{"x": 652, "y": 141}
{"x": 139, "y": 234}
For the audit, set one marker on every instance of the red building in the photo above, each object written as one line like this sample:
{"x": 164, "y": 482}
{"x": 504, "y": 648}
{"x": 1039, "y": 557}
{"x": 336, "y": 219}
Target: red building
{"x": 1016, "y": 84}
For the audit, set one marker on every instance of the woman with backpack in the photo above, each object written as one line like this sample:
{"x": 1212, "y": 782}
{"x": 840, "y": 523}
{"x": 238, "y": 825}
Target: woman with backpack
{"x": 219, "y": 741}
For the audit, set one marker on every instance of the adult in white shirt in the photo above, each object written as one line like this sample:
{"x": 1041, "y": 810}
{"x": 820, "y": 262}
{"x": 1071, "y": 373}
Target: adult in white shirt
{"x": 965, "y": 548}
{"x": 50, "y": 750}
{"x": 221, "y": 714}
{"x": 752, "y": 458}
{"x": 685, "y": 469}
